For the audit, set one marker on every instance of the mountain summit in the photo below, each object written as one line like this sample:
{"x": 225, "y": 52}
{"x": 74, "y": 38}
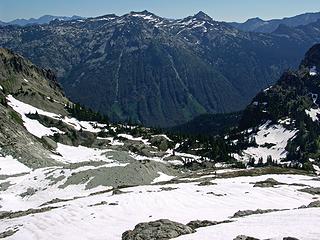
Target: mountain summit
{"x": 202, "y": 16}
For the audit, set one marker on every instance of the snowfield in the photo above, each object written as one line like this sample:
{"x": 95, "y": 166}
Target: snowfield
{"x": 10, "y": 166}
{"x": 93, "y": 194}
{"x": 106, "y": 216}
{"x": 71, "y": 154}
{"x": 302, "y": 224}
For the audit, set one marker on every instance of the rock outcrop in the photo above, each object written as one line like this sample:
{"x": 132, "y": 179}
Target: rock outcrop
{"x": 158, "y": 230}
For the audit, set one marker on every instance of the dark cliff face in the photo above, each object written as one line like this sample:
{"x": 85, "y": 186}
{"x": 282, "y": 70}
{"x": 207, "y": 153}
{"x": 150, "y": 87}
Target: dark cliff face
{"x": 312, "y": 57}
{"x": 290, "y": 96}
{"x": 294, "y": 97}
{"x": 155, "y": 71}
{"x": 12, "y": 63}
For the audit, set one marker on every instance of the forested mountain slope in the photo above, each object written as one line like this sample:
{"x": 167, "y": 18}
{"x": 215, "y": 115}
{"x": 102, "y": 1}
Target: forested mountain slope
{"x": 143, "y": 68}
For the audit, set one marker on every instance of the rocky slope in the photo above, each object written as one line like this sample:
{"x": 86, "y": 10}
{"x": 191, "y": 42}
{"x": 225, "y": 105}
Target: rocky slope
{"x": 282, "y": 121}
{"x": 151, "y": 70}
{"x": 31, "y": 84}
{"x": 39, "y": 128}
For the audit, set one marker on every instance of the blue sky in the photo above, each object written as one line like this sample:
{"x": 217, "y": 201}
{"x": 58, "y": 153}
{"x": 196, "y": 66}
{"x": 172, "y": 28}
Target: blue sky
{"x": 227, "y": 10}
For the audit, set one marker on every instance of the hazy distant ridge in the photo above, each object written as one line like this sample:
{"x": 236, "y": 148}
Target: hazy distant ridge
{"x": 41, "y": 20}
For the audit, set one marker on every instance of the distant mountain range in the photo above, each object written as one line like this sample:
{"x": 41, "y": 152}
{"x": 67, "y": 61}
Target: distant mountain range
{"x": 41, "y": 20}
{"x": 253, "y": 24}
{"x": 259, "y": 25}
{"x": 143, "y": 68}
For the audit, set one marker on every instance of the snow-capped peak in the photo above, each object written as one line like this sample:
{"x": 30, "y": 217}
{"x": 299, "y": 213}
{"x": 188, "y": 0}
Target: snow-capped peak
{"x": 107, "y": 17}
{"x": 144, "y": 15}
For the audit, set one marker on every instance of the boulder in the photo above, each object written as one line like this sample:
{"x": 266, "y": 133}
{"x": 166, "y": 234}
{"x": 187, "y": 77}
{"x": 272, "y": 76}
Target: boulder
{"x": 173, "y": 158}
{"x": 243, "y": 237}
{"x": 206, "y": 183}
{"x": 30, "y": 191}
{"x": 161, "y": 142}
{"x": 270, "y": 182}
{"x": 157, "y": 230}
{"x": 252, "y": 212}
{"x": 140, "y": 148}
{"x": 198, "y": 224}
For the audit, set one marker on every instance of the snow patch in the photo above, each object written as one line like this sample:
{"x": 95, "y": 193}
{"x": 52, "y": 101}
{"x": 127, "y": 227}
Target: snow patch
{"x": 106, "y": 18}
{"x": 164, "y": 136}
{"x": 37, "y": 129}
{"x": 272, "y": 141}
{"x": 313, "y": 71}
{"x": 162, "y": 178}
{"x": 148, "y": 18}
{"x": 10, "y": 166}
{"x": 71, "y": 154}
{"x": 130, "y": 137}
{"x": 267, "y": 89}
{"x": 316, "y": 168}
{"x": 115, "y": 142}
{"x": 313, "y": 113}
{"x": 33, "y": 126}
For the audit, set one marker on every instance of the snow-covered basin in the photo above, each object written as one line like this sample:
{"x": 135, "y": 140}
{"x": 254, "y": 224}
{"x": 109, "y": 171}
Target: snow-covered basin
{"x": 78, "y": 219}
{"x": 277, "y": 135}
